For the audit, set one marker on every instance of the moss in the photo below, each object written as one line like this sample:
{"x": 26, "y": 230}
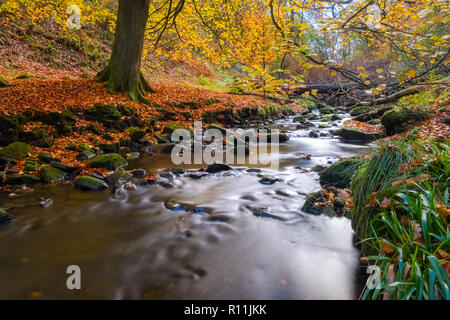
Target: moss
{"x": 45, "y": 157}
{"x": 110, "y": 161}
{"x": 10, "y": 129}
{"x": 84, "y": 152}
{"x": 39, "y": 138}
{"x": 136, "y": 134}
{"x": 24, "y": 76}
{"x": 15, "y": 151}
{"x": 398, "y": 119}
{"x": 359, "y": 111}
{"x": 211, "y": 101}
{"x": 105, "y": 114}
{"x": 88, "y": 183}
{"x": 190, "y": 105}
{"x": 171, "y": 127}
{"x": 50, "y": 175}
{"x": 299, "y": 119}
{"x": 326, "y": 110}
{"x": 110, "y": 148}
{"x": 340, "y": 173}
{"x": 310, "y": 201}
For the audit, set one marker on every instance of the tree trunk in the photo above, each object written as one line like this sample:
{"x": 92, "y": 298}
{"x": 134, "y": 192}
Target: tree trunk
{"x": 123, "y": 72}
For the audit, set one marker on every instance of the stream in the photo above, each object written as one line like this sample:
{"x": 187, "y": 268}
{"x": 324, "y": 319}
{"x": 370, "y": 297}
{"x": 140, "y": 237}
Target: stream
{"x": 224, "y": 236}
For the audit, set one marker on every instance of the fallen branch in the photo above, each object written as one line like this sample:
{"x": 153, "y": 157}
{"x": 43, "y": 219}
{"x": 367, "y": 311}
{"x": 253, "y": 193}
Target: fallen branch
{"x": 389, "y": 99}
{"x": 3, "y": 82}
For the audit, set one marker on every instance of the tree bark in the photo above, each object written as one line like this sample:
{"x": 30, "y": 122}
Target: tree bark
{"x": 392, "y": 98}
{"x": 123, "y": 72}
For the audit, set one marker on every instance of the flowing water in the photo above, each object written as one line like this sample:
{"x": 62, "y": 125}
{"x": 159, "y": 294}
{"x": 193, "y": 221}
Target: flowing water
{"x": 224, "y": 236}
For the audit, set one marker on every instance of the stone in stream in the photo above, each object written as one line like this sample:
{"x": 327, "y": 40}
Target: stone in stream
{"x": 5, "y": 217}
{"x": 50, "y": 175}
{"x": 139, "y": 173}
{"x": 120, "y": 175}
{"x": 87, "y": 183}
{"x": 217, "y": 167}
{"x": 314, "y": 133}
{"x": 397, "y": 119}
{"x": 352, "y": 134}
{"x": 340, "y": 173}
{"x": 133, "y": 156}
{"x": 268, "y": 180}
{"x": 110, "y": 161}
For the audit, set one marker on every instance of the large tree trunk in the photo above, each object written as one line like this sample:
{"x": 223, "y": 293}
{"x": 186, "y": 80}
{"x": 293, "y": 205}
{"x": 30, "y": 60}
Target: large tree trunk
{"x": 123, "y": 72}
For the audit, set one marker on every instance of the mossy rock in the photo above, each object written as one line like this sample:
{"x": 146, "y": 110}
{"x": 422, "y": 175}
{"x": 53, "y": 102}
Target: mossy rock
{"x": 10, "y": 129}
{"x": 21, "y": 179}
{"x": 62, "y": 121}
{"x": 39, "y": 138}
{"x": 15, "y": 151}
{"x": 171, "y": 127}
{"x": 299, "y": 119}
{"x": 30, "y": 165}
{"x": 108, "y": 115}
{"x": 136, "y": 134}
{"x": 353, "y": 134}
{"x": 110, "y": 148}
{"x": 63, "y": 166}
{"x": 398, "y": 119}
{"x": 88, "y": 183}
{"x": 336, "y": 117}
{"x": 109, "y": 161}
{"x": 24, "y": 76}
{"x": 324, "y": 126}
{"x": 85, "y": 152}
{"x": 327, "y": 110}
{"x": 357, "y": 111}
{"x": 190, "y": 105}
{"x": 49, "y": 174}
{"x": 118, "y": 178}
{"x": 271, "y": 137}
{"x": 310, "y": 201}
{"x": 45, "y": 157}
{"x": 340, "y": 173}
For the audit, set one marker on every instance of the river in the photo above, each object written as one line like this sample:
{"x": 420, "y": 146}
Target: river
{"x": 224, "y": 236}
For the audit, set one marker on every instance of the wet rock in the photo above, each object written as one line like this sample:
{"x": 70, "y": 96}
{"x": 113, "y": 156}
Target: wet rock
{"x": 299, "y": 119}
{"x": 52, "y": 175}
{"x": 96, "y": 175}
{"x": 139, "y": 173}
{"x": 352, "y": 134}
{"x": 63, "y": 166}
{"x": 398, "y": 119}
{"x": 87, "y": 183}
{"x": 324, "y": 126}
{"x": 310, "y": 203}
{"x": 318, "y": 168}
{"x": 340, "y": 173}
{"x": 45, "y": 203}
{"x": 45, "y": 157}
{"x": 110, "y": 161}
{"x": 272, "y": 137}
{"x": 118, "y": 178}
{"x": 110, "y": 148}
{"x": 177, "y": 171}
{"x": 15, "y": 151}
{"x": 314, "y": 133}
{"x": 136, "y": 134}
{"x": 85, "y": 152}
{"x": 267, "y": 181}
{"x": 217, "y": 167}
{"x": 5, "y": 217}
{"x": 196, "y": 176}
{"x": 255, "y": 170}
{"x": 327, "y": 110}
{"x": 20, "y": 179}
{"x": 166, "y": 185}
{"x": 171, "y": 127}
{"x": 359, "y": 110}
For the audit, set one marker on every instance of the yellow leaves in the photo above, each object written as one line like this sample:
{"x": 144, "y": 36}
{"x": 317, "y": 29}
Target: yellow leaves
{"x": 333, "y": 73}
{"x": 314, "y": 92}
{"x": 432, "y": 61}
{"x": 411, "y": 74}
{"x": 379, "y": 70}
{"x": 360, "y": 68}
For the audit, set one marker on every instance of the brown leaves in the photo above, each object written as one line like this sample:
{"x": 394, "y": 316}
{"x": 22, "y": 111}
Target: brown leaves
{"x": 363, "y": 126}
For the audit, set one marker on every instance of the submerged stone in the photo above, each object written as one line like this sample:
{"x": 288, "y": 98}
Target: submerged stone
{"x": 87, "y": 183}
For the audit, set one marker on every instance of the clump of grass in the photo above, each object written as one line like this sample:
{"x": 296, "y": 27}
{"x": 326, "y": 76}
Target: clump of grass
{"x": 375, "y": 175}
{"x": 407, "y": 233}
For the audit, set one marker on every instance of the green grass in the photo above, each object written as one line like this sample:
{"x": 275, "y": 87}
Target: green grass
{"x": 408, "y": 238}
